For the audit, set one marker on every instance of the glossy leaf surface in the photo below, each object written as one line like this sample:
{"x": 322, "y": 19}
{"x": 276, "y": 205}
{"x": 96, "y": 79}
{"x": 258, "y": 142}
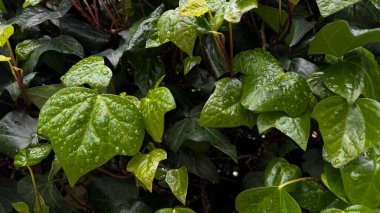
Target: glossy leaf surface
{"x": 157, "y": 102}
{"x": 32, "y": 155}
{"x": 190, "y": 62}
{"x": 144, "y": 166}
{"x": 236, "y": 8}
{"x": 26, "y": 47}
{"x": 351, "y": 209}
{"x": 91, "y": 71}
{"x": 327, "y": 7}
{"x": 280, "y": 171}
{"x": 39, "y": 95}
{"x": 175, "y": 210}
{"x": 177, "y": 179}
{"x": 194, "y": 8}
{"x": 87, "y": 129}
{"x": 5, "y": 33}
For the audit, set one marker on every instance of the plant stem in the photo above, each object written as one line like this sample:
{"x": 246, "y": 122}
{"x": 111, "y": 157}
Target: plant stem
{"x": 279, "y": 16}
{"x": 231, "y": 47}
{"x": 297, "y": 180}
{"x": 12, "y": 53}
{"x": 35, "y": 189}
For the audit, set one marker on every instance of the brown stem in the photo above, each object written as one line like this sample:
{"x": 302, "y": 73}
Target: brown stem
{"x": 109, "y": 13}
{"x": 79, "y": 8}
{"x": 90, "y": 11}
{"x": 220, "y": 42}
{"x": 204, "y": 196}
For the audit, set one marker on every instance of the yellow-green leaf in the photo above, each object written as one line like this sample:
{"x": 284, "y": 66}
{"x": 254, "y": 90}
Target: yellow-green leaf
{"x": 194, "y": 8}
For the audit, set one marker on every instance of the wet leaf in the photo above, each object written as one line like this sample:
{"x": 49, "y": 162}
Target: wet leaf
{"x": 298, "y": 128}
{"x": 91, "y": 71}
{"x": 351, "y": 209}
{"x": 194, "y": 8}
{"x": 337, "y": 38}
{"x": 190, "y": 62}
{"x": 17, "y": 130}
{"x": 223, "y": 108}
{"x": 144, "y": 166}
{"x": 13, "y": 88}
{"x": 347, "y": 130}
{"x": 156, "y": 103}
{"x": 79, "y": 123}
{"x": 280, "y": 171}
{"x": 26, "y": 47}
{"x": 39, "y": 95}
{"x": 32, "y": 155}
{"x": 177, "y": 179}
{"x": 175, "y": 210}
{"x": 5, "y": 33}
{"x": 179, "y": 133}
{"x": 31, "y": 2}
{"x": 266, "y": 199}
{"x": 236, "y": 8}
{"x": 327, "y": 7}
{"x": 333, "y": 181}
{"x": 318, "y": 86}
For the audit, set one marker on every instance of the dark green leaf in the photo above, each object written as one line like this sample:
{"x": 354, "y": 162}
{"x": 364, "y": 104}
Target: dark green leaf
{"x": 347, "y": 130}
{"x": 279, "y": 171}
{"x": 312, "y": 162}
{"x": 301, "y": 66}
{"x": 327, "y": 7}
{"x": 8, "y": 194}
{"x": 223, "y": 108}
{"x": 317, "y": 86}
{"x": 190, "y": 62}
{"x": 214, "y": 56}
{"x": 32, "y": 155}
{"x": 144, "y": 166}
{"x": 39, "y": 95}
{"x": 264, "y": 200}
{"x": 178, "y": 133}
{"x": 332, "y": 180}
{"x": 156, "y": 103}
{"x": 177, "y": 179}
{"x": 337, "y": 38}
{"x": 13, "y": 88}
{"x": 17, "y": 130}
{"x": 79, "y": 123}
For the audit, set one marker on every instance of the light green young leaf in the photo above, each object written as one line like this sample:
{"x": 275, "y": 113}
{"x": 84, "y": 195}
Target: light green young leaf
{"x": 182, "y": 31}
{"x": 31, "y": 2}
{"x": 280, "y": 171}
{"x": 297, "y": 128}
{"x": 347, "y": 130}
{"x": 328, "y": 7}
{"x": 351, "y": 209}
{"x": 223, "y": 108}
{"x": 32, "y": 155}
{"x": 175, "y": 210}
{"x": 91, "y": 71}
{"x": 87, "y": 129}
{"x": 21, "y": 207}
{"x": 266, "y": 199}
{"x": 194, "y": 8}
{"x": 144, "y": 166}
{"x": 5, "y": 33}
{"x": 157, "y": 102}
{"x": 39, "y": 95}
{"x": 337, "y": 38}
{"x": 190, "y": 62}
{"x": 236, "y": 8}
{"x": 177, "y": 179}
{"x": 214, "y": 5}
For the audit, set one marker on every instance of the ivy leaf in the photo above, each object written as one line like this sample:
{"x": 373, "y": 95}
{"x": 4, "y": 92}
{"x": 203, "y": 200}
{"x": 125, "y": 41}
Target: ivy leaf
{"x": 13, "y": 88}
{"x": 279, "y": 171}
{"x": 194, "y": 8}
{"x": 214, "y": 5}
{"x": 177, "y": 179}
{"x": 63, "y": 44}
{"x": 91, "y": 71}
{"x": 175, "y": 210}
{"x": 32, "y": 155}
{"x": 332, "y": 179}
{"x": 178, "y": 133}
{"x": 236, "y": 8}
{"x": 214, "y": 56}
{"x": 298, "y": 128}
{"x": 144, "y": 166}
{"x": 337, "y": 38}
{"x": 347, "y": 130}
{"x": 17, "y": 130}
{"x": 266, "y": 199}
{"x": 182, "y": 31}
{"x": 87, "y": 129}
{"x": 26, "y": 47}
{"x": 361, "y": 178}
{"x": 351, "y": 209}
{"x": 8, "y": 194}
{"x": 2, "y": 7}
{"x": 287, "y": 92}
{"x": 31, "y": 2}
{"x": 318, "y": 86}
{"x": 39, "y": 95}
{"x": 327, "y": 7}
{"x": 5, "y": 33}
{"x": 223, "y": 108}
{"x": 157, "y": 102}
{"x": 190, "y": 62}
{"x": 21, "y": 207}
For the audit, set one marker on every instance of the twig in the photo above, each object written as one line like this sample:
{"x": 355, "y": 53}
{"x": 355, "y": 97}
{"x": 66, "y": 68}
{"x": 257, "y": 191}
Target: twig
{"x": 264, "y": 43}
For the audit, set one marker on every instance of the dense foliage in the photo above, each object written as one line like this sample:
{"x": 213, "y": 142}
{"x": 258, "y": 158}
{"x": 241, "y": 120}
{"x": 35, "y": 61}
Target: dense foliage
{"x": 190, "y": 106}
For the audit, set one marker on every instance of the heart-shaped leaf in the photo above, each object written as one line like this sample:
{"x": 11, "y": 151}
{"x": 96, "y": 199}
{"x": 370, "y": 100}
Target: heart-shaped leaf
{"x": 190, "y": 62}
{"x": 347, "y": 130}
{"x": 236, "y": 8}
{"x": 351, "y": 209}
{"x": 91, "y": 71}
{"x": 177, "y": 179}
{"x": 5, "y": 33}
{"x": 26, "y": 47}
{"x": 87, "y": 129}
{"x": 223, "y": 108}
{"x": 175, "y": 210}
{"x": 144, "y": 166}
{"x": 318, "y": 86}
{"x": 279, "y": 171}
{"x": 264, "y": 200}
{"x": 332, "y": 179}
{"x": 194, "y": 8}
{"x": 39, "y": 95}
{"x": 32, "y": 155}
{"x": 157, "y": 102}
{"x": 328, "y": 7}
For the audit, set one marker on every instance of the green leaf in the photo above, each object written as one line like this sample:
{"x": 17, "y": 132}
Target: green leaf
{"x": 87, "y": 129}
{"x": 175, "y": 210}
{"x": 182, "y": 31}
{"x": 39, "y": 95}
{"x": 327, "y": 7}
{"x": 318, "y": 86}
{"x": 214, "y": 56}
{"x": 351, "y": 209}
{"x": 63, "y": 44}
{"x": 17, "y": 130}
{"x": 214, "y": 5}
{"x": 21, "y": 207}
{"x": 55, "y": 168}
{"x": 8, "y": 194}
{"x": 157, "y": 102}
{"x": 223, "y": 108}
{"x": 32, "y": 155}
{"x": 337, "y": 38}
{"x": 279, "y": 171}
{"x": 190, "y": 62}
{"x": 26, "y": 47}
{"x": 177, "y": 179}
{"x": 194, "y": 8}
{"x": 264, "y": 200}
{"x": 13, "y": 88}
{"x": 2, "y": 7}
{"x": 31, "y": 2}
{"x": 287, "y": 92}
{"x": 178, "y": 133}
{"x": 236, "y": 8}
{"x": 333, "y": 180}
{"x": 347, "y": 130}
{"x": 5, "y": 33}
{"x": 361, "y": 178}
{"x": 298, "y": 128}
{"x": 376, "y": 3}
{"x": 91, "y": 71}
{"x": 144, "y": 166}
